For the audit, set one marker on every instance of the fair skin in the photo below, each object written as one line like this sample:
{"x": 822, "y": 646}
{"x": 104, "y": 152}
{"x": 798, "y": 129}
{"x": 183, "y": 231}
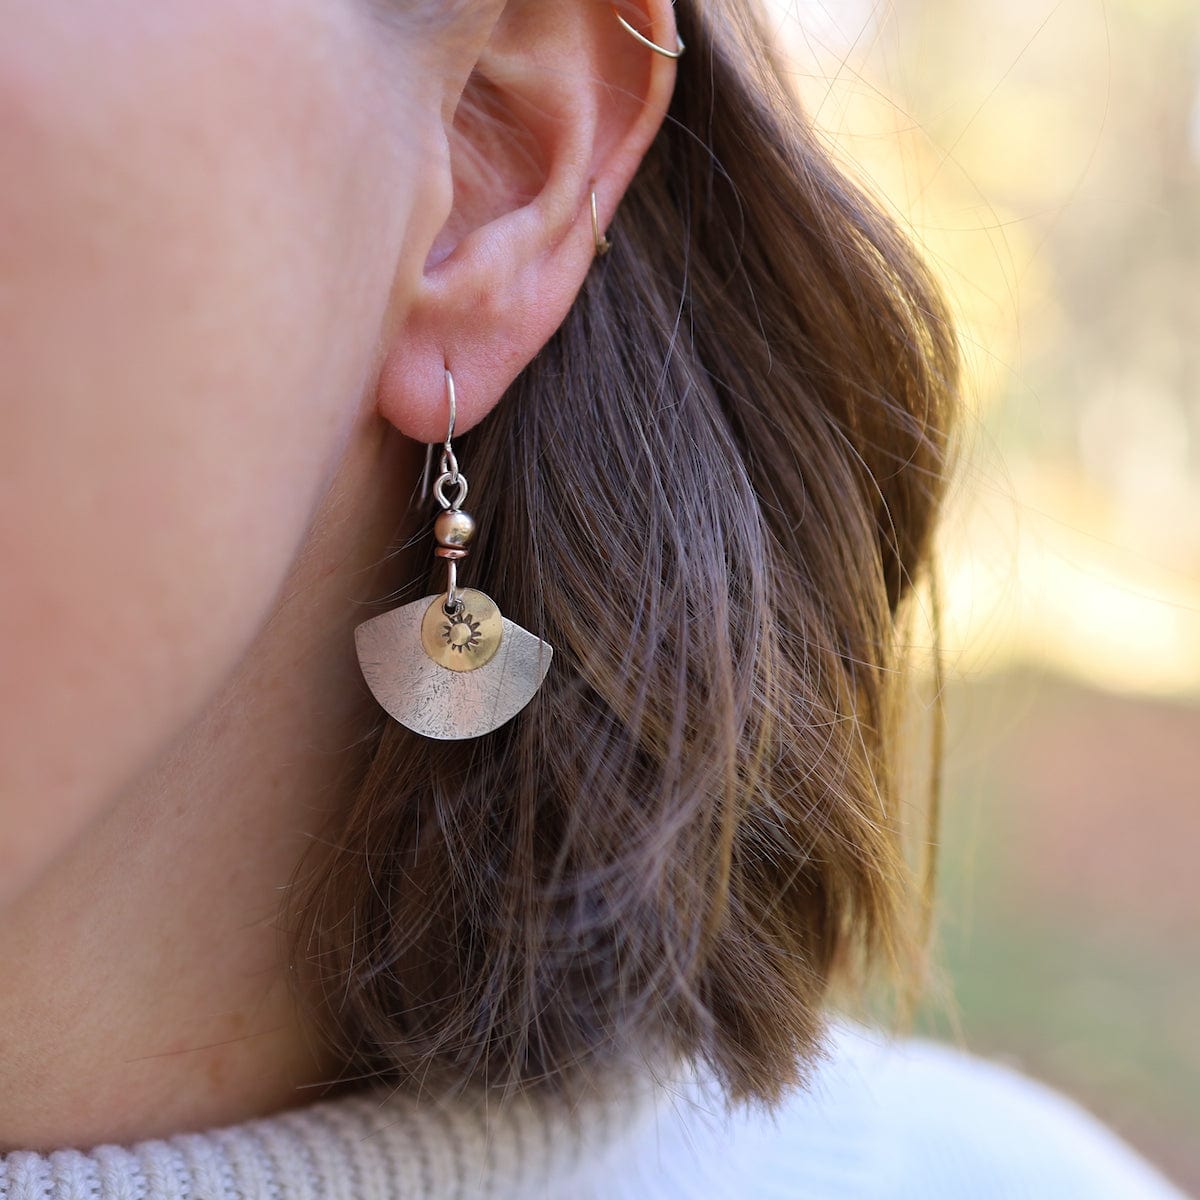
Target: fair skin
{"x": 235, "y": 253}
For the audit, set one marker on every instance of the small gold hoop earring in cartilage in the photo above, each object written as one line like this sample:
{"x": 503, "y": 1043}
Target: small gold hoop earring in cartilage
{"x": 603, "y": 245}
{"x": 641, "y": 37}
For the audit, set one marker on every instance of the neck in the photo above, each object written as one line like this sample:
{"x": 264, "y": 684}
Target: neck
{"x": 151, "y": 992}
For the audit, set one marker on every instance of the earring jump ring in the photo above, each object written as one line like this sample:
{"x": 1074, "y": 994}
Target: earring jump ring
{"x": 641, "y": 37}
{"x": 439, "y": 489}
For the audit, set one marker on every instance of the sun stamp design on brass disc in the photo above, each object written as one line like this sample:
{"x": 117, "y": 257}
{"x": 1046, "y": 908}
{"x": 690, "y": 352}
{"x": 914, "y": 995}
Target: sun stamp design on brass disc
{"x": 461, "y": 633}
{"x": 467, "y": 638}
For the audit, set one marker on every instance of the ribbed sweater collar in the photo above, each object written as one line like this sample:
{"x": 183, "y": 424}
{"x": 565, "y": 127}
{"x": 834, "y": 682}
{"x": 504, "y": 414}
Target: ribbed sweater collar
{"x": 373, "y": 1145}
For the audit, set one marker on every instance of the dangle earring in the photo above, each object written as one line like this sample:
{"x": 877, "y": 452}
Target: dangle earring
{"x": 450, "y": 666}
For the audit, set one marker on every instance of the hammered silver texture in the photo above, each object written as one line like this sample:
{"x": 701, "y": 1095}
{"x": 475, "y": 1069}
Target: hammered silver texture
{"x": 435, "y": 701}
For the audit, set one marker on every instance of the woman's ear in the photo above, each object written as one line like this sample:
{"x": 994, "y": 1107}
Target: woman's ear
{"x": 561, "y": 101}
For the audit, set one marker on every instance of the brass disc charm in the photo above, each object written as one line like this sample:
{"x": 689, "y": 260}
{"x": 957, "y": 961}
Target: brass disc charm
{"x": 466, "y": 639}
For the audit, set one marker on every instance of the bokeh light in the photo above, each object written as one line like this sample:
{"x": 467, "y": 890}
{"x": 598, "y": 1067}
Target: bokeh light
{"x": 1046, "y": 155}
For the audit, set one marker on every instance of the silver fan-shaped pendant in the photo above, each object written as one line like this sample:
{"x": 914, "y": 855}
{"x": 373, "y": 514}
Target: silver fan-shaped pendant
{"x": 451, "y": 675}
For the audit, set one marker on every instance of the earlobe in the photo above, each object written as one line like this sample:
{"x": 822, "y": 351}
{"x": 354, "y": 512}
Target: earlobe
{"x": 562, "y": 101}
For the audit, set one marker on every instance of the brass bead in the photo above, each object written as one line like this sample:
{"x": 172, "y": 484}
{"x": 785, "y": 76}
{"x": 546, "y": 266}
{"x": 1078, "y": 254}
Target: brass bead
{"x": 453, "y": 527}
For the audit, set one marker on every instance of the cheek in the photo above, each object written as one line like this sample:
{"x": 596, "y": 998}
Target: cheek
{"x": 199, "y": 229}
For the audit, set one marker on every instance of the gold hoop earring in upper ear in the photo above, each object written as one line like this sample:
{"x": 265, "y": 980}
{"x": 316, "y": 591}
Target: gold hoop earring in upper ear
{"x": 449, "y": 666}
{"x": 603, "y": 245}
{"x": 641, "y": 37}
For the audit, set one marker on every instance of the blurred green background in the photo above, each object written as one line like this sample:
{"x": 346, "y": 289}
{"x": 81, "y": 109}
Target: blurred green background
{"x": 1047, "y": 157}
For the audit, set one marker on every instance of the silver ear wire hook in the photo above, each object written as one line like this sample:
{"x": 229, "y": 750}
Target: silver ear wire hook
{"x": 449, "y": 464}
{"x": 424, "y": 496}
{"x": 450, "y": 393}
{"x": 448, "y": 472}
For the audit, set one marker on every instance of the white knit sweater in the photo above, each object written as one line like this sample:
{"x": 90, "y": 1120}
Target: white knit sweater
{"x": 885, "y": 1119}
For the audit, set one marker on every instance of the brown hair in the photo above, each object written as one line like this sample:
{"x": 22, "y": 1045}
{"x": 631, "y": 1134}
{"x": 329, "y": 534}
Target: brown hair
{"x": 711, "y": 493}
